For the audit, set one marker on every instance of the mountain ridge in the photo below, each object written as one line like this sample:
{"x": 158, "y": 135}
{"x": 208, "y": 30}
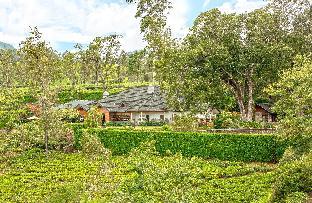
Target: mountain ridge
{"x": 4, "y": 45}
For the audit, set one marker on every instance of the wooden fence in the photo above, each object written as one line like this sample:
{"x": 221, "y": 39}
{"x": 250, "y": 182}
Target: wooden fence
{"x": 243, "y": 131}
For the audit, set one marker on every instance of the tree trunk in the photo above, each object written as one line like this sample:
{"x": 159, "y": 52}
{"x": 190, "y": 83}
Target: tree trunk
{"x": 251, "y": 103}
{"x": 45, "y": 127}
{"x": 246, "y": 108}
{"x": 239, "y": 96}
{"x": 104, "y": 85}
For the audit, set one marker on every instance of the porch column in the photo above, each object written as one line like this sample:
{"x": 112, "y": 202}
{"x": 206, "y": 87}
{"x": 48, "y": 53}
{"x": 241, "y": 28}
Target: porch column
{"x": 141, "y": 116}
{"x": 131, "y": 117}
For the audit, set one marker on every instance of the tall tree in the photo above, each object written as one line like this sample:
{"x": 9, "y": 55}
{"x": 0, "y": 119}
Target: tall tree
{"x": 243, "y": 52}
{"x": 296, "y": 18}
{"x": 39, "y": 65}
{"x": 139, "y": 66}
{"x": 71, "y": 67}
{"x": 102, "y": 57}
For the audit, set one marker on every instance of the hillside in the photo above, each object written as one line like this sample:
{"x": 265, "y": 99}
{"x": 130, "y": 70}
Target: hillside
{"x": 5, "y": 46}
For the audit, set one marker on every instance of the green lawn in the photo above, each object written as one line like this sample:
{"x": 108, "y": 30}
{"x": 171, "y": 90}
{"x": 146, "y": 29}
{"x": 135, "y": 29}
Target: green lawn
{"x": 141, "y": 176}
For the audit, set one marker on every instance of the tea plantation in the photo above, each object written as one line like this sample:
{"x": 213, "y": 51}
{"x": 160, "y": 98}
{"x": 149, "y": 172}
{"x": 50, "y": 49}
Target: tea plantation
{"x": 153, "y": 166}
{"x": 140, "y": 176}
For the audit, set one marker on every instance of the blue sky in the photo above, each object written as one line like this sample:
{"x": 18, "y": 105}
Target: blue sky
{"x": 66, "y": 22}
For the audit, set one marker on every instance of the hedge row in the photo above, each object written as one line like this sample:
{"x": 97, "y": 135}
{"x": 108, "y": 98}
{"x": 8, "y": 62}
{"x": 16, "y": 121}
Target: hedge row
{"x": 259, "y": 148}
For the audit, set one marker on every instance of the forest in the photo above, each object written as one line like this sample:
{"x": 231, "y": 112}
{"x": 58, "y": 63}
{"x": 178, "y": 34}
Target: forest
{"x": 226, "y": 62}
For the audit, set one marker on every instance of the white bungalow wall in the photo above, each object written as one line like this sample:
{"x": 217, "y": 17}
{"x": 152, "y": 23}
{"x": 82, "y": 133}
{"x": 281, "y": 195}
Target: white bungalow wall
{"x": 136, "y": 116}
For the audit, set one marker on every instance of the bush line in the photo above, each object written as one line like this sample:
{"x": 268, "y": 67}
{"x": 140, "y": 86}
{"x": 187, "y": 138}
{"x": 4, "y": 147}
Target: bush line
{"x": 230, "y": 147}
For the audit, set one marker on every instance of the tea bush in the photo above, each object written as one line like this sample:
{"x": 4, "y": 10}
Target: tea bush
{"x": 140, "y": 176}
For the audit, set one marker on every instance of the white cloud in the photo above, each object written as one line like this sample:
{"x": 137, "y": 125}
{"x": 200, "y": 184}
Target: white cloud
{"x": 241, "y": 6}
{"x": 79, "y": 21}
{"x": 177, "y": 19}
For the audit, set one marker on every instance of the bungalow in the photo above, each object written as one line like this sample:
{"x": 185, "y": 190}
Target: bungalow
{"x": 263, "y": 112}
{"x": 136, "y": 104}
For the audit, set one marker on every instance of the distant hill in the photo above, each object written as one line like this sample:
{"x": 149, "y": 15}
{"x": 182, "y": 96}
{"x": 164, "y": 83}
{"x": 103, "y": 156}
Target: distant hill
{"x": 6, "y": 46}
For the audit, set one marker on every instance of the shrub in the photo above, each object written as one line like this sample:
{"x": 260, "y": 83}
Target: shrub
{"x": 31, "y": 134}
{"x": 153, "y": 123}
{"x": 250, "y": 124}
{"x": 264, "y": 148}
{"x": 12, "y": 118}
{"x": 185, "y": 123}
{"x": 92, "y": 146}
{"x": 78, "y": 130}
{"x": 70, "y": 115}
{"x": 226, "y": 120}
{"x": 166, "y": 128}
{"x": 293, "y": 177}
{"x": 94, "y": 118}
{"x": 117, "y": 124}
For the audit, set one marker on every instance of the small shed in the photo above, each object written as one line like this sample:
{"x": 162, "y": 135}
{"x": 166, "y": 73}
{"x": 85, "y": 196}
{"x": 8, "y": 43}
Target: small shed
{"x": 263, "y": 112}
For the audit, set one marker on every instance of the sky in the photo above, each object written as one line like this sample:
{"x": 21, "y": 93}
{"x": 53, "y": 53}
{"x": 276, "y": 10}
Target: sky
{"x": 67, "y": 22}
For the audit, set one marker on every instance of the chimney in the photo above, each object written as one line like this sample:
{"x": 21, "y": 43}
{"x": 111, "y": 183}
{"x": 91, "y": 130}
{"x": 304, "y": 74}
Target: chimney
{"x": 105, "y": 94}
{"x": 150, "y": 89}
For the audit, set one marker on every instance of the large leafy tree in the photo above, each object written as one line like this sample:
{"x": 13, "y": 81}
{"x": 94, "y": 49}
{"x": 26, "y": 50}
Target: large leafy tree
{"x": 243, "y": 53}
{"x": 225, "y": 54}
{"x": 296, "y": 18}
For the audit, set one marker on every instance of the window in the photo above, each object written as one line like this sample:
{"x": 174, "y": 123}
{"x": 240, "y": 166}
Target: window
{"x": 162, "y": 117}
{"x": 147, "y": 117}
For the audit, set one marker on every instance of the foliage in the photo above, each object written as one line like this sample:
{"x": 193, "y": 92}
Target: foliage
{"x": 118, "y": 124}
{"x": 166, "y": 128}
{"x": 225, "y": 56}
{"x": 293, "y": 95}
{"x": 226, "y": 120}
{"x": 8, "y": 67}
{"x": 263, "y": 148}
{"x": 94, "y": 118}
{"x": 184, "y": 123}
{"x": 297, "y": 197}
{"x": 293, "y": 177}
{"x": 153, "y": 123}
{"x": 79, "y": 94}
{"x": 38, "y": 65}
{"x": 11, "y": 119}
{"x": 34, "y": 177}
{"x": 141, "y": 176}
{"x": 31, "y": 135}
{"x": 69, "y": 115}
{"x": 139, "y": 67}
{"x": 92, "y": 146}
{"x": 232, "y": 120}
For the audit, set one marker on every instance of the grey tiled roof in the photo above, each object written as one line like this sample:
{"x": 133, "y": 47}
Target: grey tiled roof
{"x": 135, "y": 99}
{"x": 266, "y": 107}
{"x": 84, "y": 104}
